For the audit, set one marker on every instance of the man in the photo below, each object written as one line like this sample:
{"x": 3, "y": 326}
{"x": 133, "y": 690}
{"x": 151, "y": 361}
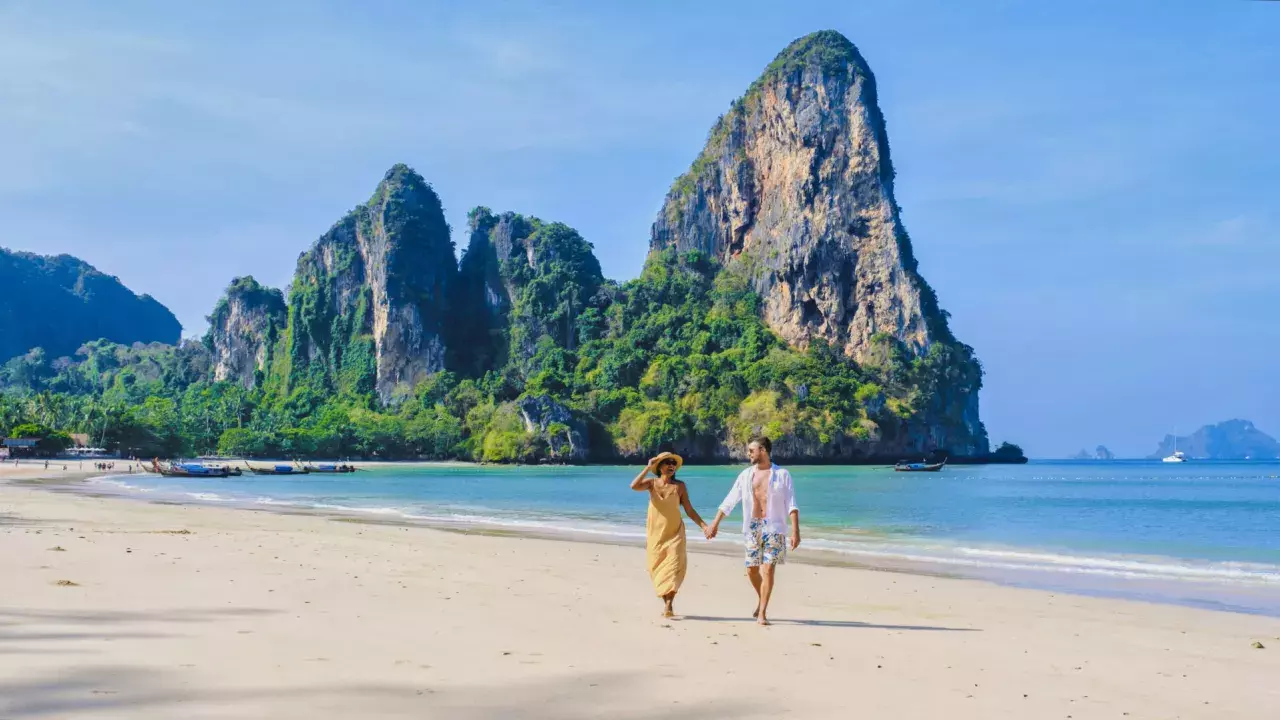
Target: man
{"x": 767, "y": 498}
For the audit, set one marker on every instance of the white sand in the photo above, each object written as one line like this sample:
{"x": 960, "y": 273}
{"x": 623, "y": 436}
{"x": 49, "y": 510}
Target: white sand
{"x": 257, "y": 615}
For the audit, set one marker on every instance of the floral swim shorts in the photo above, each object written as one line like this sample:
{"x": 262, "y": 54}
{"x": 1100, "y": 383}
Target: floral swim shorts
{"x": 764, "y": 547}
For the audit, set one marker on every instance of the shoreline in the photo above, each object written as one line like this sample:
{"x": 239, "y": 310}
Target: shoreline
{"x": 149, "y": 611}
{"x": 878, "y": 461}
{"x": 1109, "y": 582}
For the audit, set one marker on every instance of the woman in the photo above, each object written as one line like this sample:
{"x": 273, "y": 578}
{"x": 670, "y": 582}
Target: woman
{"x": 664, "y": 529}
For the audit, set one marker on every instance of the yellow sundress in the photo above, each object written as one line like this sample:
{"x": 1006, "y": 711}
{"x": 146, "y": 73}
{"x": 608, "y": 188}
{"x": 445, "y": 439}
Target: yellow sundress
{"x": 664, "y": 538}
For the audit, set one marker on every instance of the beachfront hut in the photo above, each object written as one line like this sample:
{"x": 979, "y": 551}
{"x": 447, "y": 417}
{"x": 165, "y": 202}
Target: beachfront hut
{"x": 21, "y": 447}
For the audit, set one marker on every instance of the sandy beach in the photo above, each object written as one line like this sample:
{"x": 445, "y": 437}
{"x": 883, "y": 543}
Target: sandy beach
{"x": 117, "y": 608}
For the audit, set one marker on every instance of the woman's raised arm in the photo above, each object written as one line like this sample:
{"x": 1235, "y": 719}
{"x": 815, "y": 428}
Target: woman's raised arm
{"x": 642, "y": 481}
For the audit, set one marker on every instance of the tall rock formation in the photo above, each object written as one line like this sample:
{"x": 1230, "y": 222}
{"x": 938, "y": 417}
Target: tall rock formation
{"x": 795, "y": 185}
{"x": 243, "y": 330}
{"x": 522, "y": 281}
{"x": 58, "y": 303}
{"x": 368, "y": 303}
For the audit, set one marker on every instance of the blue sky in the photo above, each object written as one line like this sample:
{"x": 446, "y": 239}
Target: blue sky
{"x": 1090, "y": 186}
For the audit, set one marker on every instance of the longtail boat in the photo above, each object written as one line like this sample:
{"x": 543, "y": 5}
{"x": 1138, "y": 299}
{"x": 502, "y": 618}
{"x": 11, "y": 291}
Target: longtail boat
{"x": 278, "y": 470}
{"x": 188, "y": 470}
{"x": 331, "y": 468}
{"x": 919, "y": 467}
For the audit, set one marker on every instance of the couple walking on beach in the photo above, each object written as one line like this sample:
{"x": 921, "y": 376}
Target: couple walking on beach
{"x": 768, "y": 500}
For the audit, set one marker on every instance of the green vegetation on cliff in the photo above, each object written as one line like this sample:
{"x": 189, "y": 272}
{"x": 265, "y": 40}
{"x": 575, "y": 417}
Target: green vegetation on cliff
{"x": 393, "y": 254}
{"x": 251, "y": 294}
{"x": 677, "y": 355}
{"x": 390, "y": 347}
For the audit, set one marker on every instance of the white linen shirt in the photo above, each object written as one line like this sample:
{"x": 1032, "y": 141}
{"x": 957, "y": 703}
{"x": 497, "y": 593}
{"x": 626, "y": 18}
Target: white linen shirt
{"x": 781, "y": 499}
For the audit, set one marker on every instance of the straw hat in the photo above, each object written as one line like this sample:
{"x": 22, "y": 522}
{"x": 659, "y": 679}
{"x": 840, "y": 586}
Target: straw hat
{"x": 668, "y": 456}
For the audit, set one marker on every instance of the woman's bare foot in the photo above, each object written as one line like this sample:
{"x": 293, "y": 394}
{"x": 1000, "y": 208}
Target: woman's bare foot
{"x": 755, "y": 613}
{"x": 762, "y": 620}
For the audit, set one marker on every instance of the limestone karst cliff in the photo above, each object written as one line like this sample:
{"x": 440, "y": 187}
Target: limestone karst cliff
{"x": 368, "y": 301}
{"x": 781, "y": 295}
{"x": 795, "y": 186}
{"x": 521, "y": 280}
{"x": 243, "y": 329}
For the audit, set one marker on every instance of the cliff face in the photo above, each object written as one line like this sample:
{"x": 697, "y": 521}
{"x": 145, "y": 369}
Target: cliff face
{"x": 368, "y": 301}
{"x": 60, "y": 302}
{"x": 522, "y": 281}
{"x": 796, "y": 180}
{"x": 795, "y": 185}
{"x": 243, "y": 330}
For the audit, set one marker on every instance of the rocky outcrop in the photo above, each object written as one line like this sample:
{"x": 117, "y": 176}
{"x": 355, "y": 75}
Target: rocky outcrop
{"x": 368, "y": 302}
{"x": 795, "y": 187}
{"x": 566, "y": 437}
{"x": 1101, "y": 453}
{"x": 243, "y": 330}
{"x": 796, "y": 180}
{"x": 521, "y": 280}
{"x": 59, "y": 303}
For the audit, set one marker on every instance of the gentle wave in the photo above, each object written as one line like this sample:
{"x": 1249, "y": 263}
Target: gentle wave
{"x": 977, "y": 559}
{"x": 1043, "y": 562}
{"x": 116, "y": 482}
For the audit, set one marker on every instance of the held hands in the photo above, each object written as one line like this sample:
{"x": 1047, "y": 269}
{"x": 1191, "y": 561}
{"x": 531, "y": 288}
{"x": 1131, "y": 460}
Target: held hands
{"x": 710, "y": 531}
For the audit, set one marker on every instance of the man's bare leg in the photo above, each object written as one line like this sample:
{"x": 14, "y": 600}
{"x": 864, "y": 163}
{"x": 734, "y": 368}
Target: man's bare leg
{"x": 753, "y": 574}
{"x": 766, "y": 589}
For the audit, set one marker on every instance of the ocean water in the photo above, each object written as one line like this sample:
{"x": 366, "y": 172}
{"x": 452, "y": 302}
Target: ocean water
{"x": 1202, "y": 533}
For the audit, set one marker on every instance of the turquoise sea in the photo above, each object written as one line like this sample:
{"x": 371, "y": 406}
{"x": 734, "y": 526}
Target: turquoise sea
{"x": 1202, "y": 533}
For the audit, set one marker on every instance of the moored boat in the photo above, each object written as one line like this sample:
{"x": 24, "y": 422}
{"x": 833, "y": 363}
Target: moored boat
{"x": 1178, "y": 456}
{"x": 903, "y": 466}
{"x": 223, "y": 467}
{"x": 331, "y": 468}
{"x": 188, "y": 470}
{"x": 284, "y": 469}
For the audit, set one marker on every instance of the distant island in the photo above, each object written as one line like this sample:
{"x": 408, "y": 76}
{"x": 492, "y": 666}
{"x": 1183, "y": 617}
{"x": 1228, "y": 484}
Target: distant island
{"x": 780, "y": 295}
{"x": 1100, "y": 453}
{"x": 1227, "y": 440}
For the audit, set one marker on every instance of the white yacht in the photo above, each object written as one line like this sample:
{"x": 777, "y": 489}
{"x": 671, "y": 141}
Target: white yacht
{"x": 1178, "y": 455}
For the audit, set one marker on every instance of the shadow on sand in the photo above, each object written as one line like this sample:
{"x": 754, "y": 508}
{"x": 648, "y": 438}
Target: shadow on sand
{"x": 90, "y": 690}
{"x": 137, "y": 692}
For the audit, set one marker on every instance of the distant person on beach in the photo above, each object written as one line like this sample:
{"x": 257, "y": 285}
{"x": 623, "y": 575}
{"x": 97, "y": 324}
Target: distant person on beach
{"x": 664, "y": 528}
{"x": 768, "y": 498}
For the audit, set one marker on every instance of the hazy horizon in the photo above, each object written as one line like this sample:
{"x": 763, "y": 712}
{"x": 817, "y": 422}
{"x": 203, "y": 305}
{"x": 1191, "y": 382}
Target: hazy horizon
{"x": 1090, "y": 189}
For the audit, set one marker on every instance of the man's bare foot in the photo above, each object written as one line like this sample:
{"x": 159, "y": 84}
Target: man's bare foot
{"x": 762, "y": 620}
{"x": 755, "y": 613}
